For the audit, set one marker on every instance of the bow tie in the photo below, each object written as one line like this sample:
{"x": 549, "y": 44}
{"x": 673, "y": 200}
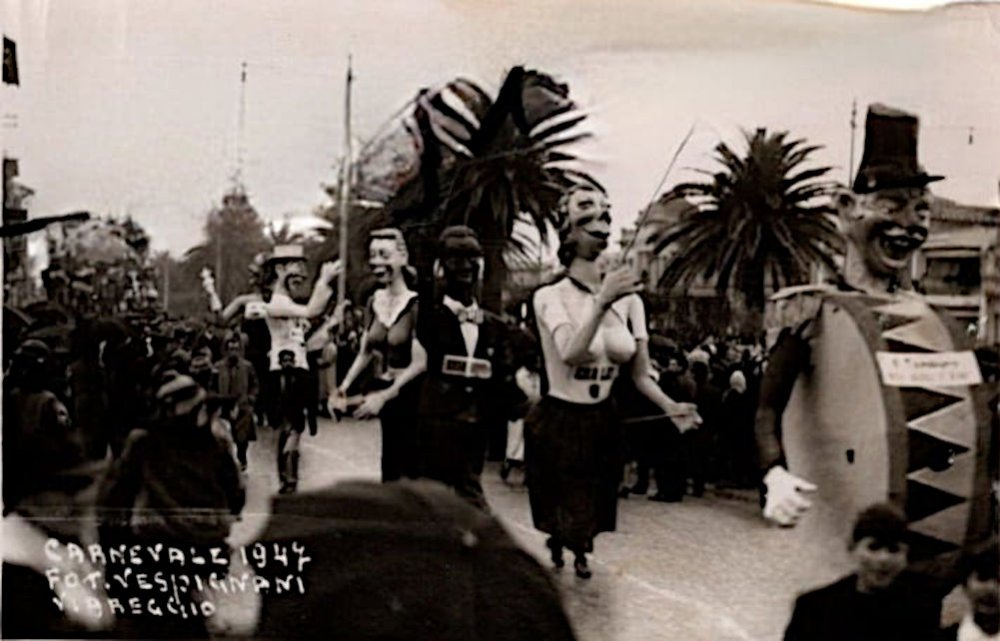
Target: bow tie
{"x": 469, "y": 315}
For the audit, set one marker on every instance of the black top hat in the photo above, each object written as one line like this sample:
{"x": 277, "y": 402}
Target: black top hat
{"x": 889, "y": 160}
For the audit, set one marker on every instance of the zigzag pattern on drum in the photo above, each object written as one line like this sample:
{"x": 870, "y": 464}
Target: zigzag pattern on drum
{"x": 941, "y": 435}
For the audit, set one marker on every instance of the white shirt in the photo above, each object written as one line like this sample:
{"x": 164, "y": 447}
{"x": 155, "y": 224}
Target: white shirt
{"x": 565, "y": 304}
{"x": 286, "y": 333}
{"x": 470, "y": 330}
{"x": 969, "y": 631}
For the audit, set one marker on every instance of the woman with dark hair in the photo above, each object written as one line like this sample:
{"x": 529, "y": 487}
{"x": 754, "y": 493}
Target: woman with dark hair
{"x": 390, "y": 334}
{"x": 590, "y": 328}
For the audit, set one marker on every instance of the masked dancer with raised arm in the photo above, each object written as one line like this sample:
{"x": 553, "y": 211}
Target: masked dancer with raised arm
{"x": 288, "y": 319}
{"x": 591, "y": 328}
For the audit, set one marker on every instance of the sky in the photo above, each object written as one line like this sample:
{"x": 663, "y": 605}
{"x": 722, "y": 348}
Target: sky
{"x": 131, "y": 106}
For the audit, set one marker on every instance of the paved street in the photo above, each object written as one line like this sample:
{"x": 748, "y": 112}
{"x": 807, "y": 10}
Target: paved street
{"x": 704, "y": 569}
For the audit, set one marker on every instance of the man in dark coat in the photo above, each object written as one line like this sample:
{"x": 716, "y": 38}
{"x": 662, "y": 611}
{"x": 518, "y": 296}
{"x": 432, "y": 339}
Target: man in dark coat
{"x": 467, "y": 377}
{"x": 236, "y": 378}
{"x": 289, "y": 417}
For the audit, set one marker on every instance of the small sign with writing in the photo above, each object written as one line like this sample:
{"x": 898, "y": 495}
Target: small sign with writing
{"x": 941, "y": 369}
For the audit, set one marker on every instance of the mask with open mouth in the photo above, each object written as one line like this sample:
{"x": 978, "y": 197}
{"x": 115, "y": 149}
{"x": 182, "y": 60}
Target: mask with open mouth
{"x": 588, "y": 222}
{"x": 387, "y": 255}
{"x": 886, "y": 228}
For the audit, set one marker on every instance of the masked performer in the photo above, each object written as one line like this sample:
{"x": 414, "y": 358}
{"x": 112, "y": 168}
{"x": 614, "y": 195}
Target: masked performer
{"x": 851, "y": 412}
{"x": 467, "y": 380}
{"x": 391, "y": 335}
{"x": 288, "y": 322}
{"x": 590, "y": 329}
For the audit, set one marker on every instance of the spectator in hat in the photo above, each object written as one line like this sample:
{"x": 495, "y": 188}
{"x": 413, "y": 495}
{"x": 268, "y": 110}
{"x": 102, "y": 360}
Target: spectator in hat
{"x": 201, "y": 368}
{"x": 235, "y": 377}
{"x": 876, "y": 602}
{"x": 176, "y": 484}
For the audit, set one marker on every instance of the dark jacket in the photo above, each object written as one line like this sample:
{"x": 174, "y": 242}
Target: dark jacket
{"x": 454, "y": 396}
{"x": 291, "y": 397}
{"x": 838, "y": 612}
{"x": 237, "y": 380}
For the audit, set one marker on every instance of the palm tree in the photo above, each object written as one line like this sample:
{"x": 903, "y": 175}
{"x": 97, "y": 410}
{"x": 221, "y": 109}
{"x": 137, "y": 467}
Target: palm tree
{"x": 489, "y": 164}
{"x": 519, "y": 168}
{"x": 761, "y": 221}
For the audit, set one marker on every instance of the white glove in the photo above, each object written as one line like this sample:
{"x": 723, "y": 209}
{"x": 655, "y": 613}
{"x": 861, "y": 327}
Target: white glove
{"x": 785, "y": 503}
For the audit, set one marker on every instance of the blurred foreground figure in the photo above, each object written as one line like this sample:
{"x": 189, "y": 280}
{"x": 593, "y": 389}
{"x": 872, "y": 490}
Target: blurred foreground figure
{"x": 407, "y": 560}
{"x": 876, "y": 602}
{"x": 176, "y": 485}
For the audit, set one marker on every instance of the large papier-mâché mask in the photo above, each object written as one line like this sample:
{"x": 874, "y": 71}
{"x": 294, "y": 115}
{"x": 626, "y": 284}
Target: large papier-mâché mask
{"x": 292, "y": 276}
{"x": 462, "y": 261}
{"x": 589, "y": 222}
{"x": 886, "y": 227}
{"x": 387, "y": 257}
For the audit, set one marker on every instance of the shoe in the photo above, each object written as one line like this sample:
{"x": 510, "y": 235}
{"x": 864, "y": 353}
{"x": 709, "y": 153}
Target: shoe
{"x": 505, "y": 470}
{"x": 698, "y": 490}
{"x": 666, "y": 498}
{"x": 555, "y": 552}
{"x": 580, "y": 565}
{"x": 624, "y": 493}
{"x": 639, "y": 489}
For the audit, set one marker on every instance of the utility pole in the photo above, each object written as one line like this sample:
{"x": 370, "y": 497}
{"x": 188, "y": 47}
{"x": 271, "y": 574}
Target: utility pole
{"x": 345, "y": 188}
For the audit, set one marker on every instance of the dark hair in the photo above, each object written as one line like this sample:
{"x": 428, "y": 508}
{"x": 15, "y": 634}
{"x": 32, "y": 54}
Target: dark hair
{"x": 883, "y": 522}
{"x": 284, "y": 352}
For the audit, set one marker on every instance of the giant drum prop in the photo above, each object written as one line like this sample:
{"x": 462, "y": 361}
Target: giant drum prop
{"x": 925, "y": 449}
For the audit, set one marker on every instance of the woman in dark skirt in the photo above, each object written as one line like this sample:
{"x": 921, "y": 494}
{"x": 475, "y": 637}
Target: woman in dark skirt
{"x": 590, "y": 328}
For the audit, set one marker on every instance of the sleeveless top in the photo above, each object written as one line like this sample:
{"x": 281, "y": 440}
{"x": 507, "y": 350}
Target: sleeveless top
{"x": 392, "y": 325}
{"x": 567, "y": 302}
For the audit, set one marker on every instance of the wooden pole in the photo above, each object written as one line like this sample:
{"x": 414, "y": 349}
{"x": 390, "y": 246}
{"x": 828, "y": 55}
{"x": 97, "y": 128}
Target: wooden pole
{"x": 345, "y": 188}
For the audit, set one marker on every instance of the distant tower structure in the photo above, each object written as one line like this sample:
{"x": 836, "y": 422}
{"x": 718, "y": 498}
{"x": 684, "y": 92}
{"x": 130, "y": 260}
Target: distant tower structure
{"x": 237, "y": 179}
